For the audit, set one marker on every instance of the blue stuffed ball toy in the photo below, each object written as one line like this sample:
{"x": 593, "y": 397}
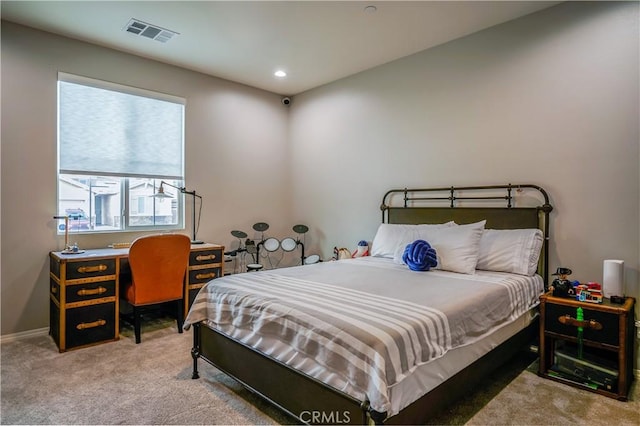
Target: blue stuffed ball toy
{"x": 420, "y": 256}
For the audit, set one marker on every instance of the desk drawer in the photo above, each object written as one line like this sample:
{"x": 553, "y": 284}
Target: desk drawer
{"x": 54, "y": 266}
{"x": 193, "y": 292}
{"x": 90, "y": 269}
{"x": 54, "y": 289}
{"x": 90, "y": 324}
{"x": 197, "y": 276}
{"x": 204, "y": 257}
{"x": 90, "y": 291}
{"x": 608, "y": 334}
{"x": 54, "y": 320}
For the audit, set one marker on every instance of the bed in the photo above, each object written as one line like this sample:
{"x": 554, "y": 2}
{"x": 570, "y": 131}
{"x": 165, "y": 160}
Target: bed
{"x": 371, "y": 340}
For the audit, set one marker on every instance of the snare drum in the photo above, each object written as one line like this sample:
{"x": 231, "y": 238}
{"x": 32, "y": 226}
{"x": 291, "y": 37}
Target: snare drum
{"x": 310, "y": 260}
{"x": 253, "y": 267}
{"x": 289, "y": 244}
{"x": 271, "y": 244}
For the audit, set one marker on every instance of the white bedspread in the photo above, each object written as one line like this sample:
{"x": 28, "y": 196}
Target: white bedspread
{"x": 362, "y": 325}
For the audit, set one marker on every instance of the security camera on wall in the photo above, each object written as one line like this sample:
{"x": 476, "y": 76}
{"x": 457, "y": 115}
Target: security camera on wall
{"x": 286, "y": 101}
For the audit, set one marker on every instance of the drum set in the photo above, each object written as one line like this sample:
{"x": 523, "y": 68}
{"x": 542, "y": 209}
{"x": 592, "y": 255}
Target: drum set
{"x": 268, "y": 246}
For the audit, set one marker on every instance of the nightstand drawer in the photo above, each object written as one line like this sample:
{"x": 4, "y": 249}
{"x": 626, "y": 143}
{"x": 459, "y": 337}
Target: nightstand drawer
{"x": 604, "y": 327}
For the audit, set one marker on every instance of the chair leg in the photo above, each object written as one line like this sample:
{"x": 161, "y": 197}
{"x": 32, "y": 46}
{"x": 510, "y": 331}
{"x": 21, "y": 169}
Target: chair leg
{"x": 136, "y": 323}
{"x": 180, "y": 315}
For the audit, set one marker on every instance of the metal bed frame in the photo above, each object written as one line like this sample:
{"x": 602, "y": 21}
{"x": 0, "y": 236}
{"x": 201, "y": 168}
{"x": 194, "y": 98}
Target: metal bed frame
{"x": 508, "y": 217}
{"x": 311, "y": 401}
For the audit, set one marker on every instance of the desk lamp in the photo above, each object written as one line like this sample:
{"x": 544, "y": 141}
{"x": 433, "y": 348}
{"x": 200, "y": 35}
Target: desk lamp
{"x": 161, "y": 194}
{"x": 67, "y": 248}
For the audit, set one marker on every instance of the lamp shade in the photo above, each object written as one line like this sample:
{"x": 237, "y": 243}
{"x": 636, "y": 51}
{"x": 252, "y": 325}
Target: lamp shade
{"x": 161, "y": 193}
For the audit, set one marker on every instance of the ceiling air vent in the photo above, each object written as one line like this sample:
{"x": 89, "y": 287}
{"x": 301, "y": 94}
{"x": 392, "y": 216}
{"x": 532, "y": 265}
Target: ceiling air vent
{"x": 153, "y": 32}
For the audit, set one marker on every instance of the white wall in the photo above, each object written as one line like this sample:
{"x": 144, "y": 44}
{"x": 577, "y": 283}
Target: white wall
{"x": 236, "y": 156}
{"x": 549, "y": 99}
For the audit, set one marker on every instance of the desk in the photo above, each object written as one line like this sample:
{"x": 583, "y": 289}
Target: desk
{"x": 84, "y": 291}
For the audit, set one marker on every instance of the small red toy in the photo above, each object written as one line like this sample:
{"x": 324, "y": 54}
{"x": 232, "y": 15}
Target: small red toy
{"x": 589, "y": 292}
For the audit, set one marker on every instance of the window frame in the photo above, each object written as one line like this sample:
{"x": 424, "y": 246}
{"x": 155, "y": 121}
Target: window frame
{"x": 125, "y": 224}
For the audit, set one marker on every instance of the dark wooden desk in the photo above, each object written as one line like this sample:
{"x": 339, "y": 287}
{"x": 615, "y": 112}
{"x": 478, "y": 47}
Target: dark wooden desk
{"x": 84, "y": 291}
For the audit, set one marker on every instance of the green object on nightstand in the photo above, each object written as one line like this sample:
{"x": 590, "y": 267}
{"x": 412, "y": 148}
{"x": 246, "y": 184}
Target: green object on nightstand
{"x": 580, "y": 318}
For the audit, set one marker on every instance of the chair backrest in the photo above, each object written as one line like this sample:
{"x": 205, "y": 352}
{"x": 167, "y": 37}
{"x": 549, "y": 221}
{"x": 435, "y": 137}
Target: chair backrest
{"x": 158, "y": 266}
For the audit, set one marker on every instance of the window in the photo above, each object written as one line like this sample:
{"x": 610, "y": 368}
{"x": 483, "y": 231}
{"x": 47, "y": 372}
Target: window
{"x": 116, "y": 144}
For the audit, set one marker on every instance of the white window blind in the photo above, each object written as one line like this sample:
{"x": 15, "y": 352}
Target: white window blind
{"x": 108, "y": 129}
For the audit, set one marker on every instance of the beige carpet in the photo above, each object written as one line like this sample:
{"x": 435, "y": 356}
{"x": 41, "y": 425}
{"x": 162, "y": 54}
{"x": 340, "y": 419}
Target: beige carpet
{"x": 150, "y": 383}
{"x": 532, "y": 400}
{"x": 122, "y": 383}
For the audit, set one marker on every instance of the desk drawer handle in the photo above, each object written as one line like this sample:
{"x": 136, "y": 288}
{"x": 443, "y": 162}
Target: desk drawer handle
{"x": 89, "y": 269}
{"x": 203, "y": 276}
{"x": 84, "y": 325}
{"x": 91, "y": 292}
{"x": 568, "y": 320}
{"x": 202, "y": 257}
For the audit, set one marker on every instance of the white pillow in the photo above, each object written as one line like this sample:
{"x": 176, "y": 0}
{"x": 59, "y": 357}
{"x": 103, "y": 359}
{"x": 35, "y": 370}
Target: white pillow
{"x": 510, "y": 250}
{"x": 457, "y": 247}
{"x": 390, "y": 236}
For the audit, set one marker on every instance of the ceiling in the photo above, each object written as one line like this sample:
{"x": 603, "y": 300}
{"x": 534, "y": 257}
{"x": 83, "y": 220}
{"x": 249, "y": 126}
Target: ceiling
{"x": 315, "y": 42}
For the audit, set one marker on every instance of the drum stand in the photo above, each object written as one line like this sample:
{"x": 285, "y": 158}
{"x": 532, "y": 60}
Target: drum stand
{"x": 241, "y": 250}
{"x": 270, "y": 245}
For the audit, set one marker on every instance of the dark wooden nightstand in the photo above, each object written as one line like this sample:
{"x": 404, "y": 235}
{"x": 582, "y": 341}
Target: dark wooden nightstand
{"x": 605, "y": 363}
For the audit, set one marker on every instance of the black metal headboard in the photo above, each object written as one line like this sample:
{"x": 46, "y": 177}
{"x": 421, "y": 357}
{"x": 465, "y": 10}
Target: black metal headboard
{"x": 467, "y": 204}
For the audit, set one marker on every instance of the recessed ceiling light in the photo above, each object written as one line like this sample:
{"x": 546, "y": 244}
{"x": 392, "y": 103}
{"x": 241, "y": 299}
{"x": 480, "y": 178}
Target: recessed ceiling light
{"x": 370, "y": 9}
{"x": 280, "y": 73}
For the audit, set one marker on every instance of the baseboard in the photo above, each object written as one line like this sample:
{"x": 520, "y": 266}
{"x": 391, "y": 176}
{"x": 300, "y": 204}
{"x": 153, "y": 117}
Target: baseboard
{"x": 24, "y": 335}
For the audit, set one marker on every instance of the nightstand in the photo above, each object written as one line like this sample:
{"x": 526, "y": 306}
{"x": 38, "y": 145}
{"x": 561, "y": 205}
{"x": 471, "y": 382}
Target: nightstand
{"x": 604, "y": 363}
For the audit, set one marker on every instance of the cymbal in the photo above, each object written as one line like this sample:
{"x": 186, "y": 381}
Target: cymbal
{"x": 300, "y": 229}
{"x": 260, "y": 226}
{"x": 239, "y": 234}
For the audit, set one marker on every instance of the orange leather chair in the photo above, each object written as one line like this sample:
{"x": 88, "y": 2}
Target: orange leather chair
{"x": 158, "y": 267}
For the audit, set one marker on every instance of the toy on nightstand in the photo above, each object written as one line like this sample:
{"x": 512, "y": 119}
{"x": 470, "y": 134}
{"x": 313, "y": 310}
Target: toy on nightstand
{"x": 590, "y": 292}
{"x": 562, "y": 287}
